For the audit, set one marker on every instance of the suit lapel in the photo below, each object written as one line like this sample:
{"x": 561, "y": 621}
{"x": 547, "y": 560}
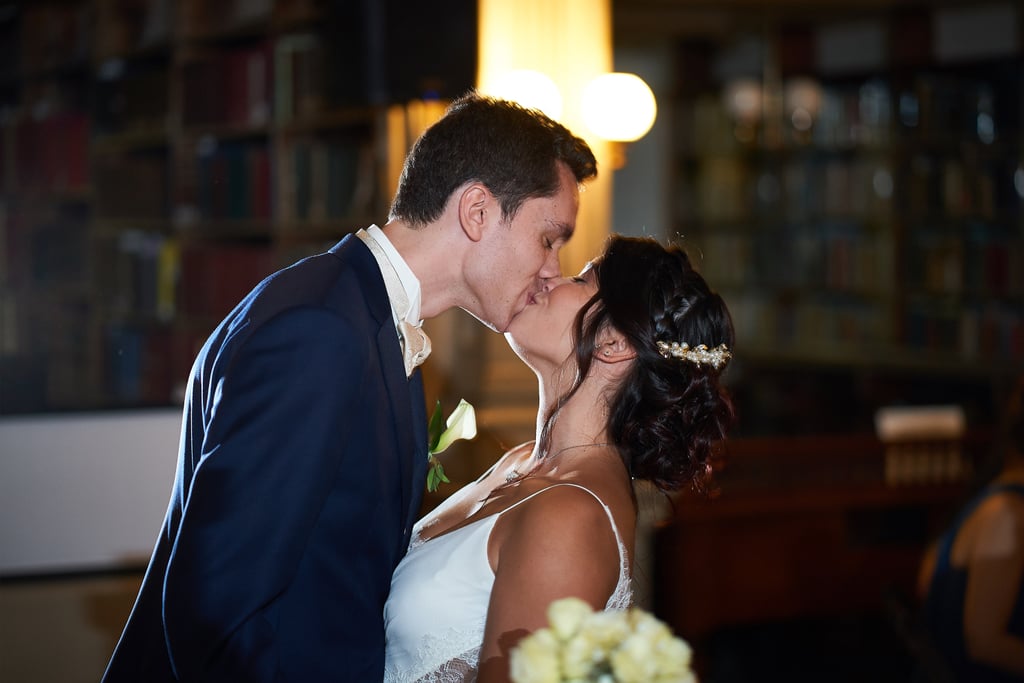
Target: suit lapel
{"x": 417, "y": 483}
{"x": 405, "y": 395}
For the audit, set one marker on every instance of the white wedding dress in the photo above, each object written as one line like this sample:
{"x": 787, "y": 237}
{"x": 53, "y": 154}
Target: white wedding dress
{"x": 437, "y": 609}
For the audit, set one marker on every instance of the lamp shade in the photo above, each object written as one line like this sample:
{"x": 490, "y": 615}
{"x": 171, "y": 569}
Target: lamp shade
{"x": 531, "y": 89}
{"x": 619, "y": 107}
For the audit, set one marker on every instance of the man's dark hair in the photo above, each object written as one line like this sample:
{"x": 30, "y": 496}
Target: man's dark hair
{"x": 512, "y": 150}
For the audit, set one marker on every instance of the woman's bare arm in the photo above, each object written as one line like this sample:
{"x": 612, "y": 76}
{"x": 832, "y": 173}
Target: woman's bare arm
{"x": 558, "y": 544}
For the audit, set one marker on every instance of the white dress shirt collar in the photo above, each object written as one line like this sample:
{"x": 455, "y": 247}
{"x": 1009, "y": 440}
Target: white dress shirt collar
{"x": 410, "y": 283}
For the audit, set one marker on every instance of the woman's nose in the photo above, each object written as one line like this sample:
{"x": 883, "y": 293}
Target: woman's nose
{"x": 553, "y": 282}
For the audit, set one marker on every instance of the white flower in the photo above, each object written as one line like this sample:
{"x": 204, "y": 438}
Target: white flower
{"x": 648, "y": 626}
{"x": 567, "y": 615}
{"x": 581, "y": 656}
{"x": 673, "y": 657}
{"x": 607, "y": 628}
{"x": 611, "y": 646}
{"x": 461, "y": 424}
{"x": 633, "y": 660}
{"x": 535, "y": 659}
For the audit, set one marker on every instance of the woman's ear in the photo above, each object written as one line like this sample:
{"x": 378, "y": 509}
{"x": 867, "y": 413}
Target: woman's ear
{"x": 475, "y": 202}
{"x": 612, "y": 347}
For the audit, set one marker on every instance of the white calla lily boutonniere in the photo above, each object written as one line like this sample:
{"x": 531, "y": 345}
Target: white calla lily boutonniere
{"x": 441, "y": 434}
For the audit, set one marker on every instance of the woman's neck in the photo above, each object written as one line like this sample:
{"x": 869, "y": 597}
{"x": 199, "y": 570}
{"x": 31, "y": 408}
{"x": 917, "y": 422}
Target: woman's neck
{"x": 582, "y": 420}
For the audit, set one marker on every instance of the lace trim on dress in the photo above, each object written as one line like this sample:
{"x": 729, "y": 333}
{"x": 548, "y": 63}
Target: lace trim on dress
{"x": 460, "y": 669}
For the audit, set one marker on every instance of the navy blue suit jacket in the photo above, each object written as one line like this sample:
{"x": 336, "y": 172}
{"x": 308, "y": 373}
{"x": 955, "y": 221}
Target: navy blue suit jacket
{"x": 300, "y": 473}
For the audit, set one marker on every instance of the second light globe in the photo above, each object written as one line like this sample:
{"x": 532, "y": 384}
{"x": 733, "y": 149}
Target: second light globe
{"x": 619, "y": 107}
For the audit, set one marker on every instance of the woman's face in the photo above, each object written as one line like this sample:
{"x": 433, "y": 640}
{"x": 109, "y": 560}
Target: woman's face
{"x": 543, "y": 330}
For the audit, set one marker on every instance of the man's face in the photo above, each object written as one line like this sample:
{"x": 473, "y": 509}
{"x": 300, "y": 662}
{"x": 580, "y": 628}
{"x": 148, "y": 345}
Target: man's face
{"x": 517, "y": 256}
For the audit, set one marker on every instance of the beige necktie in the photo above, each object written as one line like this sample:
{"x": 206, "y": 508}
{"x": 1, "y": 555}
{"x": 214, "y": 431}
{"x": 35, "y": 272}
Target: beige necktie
{"x": 415, "y": 342}
{"x": 415, "y": 345}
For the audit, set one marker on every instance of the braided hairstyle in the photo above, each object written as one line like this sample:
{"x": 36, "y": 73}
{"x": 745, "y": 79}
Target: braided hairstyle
{"x": 668, "y": 413}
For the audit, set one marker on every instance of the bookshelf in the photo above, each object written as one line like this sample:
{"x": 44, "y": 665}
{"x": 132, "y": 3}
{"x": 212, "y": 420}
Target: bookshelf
{"x": 857, "y": 189}
{"x": 157, "y": 159}
{"x": 838, "y": 525}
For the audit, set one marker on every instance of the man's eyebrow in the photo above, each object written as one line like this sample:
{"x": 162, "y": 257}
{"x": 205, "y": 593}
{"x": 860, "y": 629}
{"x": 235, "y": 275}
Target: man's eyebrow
{"x": 565, "y": 230}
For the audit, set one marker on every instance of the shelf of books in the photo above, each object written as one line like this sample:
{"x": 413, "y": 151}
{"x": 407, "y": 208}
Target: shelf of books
{"x": 859, "y": 196}
{"x": 157, "y": 159}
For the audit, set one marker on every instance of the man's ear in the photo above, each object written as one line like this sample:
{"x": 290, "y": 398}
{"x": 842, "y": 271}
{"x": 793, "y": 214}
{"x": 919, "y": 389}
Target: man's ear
{"x": 612, "y": 347}
{"x": 475, "y": 204}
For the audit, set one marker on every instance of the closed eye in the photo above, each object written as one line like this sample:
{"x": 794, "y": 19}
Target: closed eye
{"x": 557, "y": 235}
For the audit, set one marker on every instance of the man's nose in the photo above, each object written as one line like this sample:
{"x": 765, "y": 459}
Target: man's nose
{"x": 552, "y": 267}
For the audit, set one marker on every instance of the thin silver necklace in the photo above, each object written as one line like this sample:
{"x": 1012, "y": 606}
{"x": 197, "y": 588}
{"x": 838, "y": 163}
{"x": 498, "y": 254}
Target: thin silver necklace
{"x": 515, "y": 474}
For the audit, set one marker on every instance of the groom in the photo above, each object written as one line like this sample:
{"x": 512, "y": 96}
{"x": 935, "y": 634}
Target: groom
{"x": 303, "y": 449}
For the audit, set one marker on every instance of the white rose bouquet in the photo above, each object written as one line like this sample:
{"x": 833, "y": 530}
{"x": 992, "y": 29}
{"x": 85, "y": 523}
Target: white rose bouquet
{"x": 615, "y": 646}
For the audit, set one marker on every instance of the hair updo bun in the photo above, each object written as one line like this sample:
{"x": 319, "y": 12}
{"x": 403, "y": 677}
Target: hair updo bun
{"x": 669, "y": 412}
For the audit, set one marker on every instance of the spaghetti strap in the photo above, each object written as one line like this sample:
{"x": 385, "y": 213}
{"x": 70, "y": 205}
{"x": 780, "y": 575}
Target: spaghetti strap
{"x": 564, "y": 483}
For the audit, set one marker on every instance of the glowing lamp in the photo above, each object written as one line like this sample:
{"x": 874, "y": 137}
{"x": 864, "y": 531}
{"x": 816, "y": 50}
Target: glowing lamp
{"x": 619, "y": 107}
{"x": 531, "y": 89}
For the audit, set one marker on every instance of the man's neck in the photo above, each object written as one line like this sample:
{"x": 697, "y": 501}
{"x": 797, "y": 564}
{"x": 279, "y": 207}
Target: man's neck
{"x": 435, "y": 260}
{"x": 409, "y": 306}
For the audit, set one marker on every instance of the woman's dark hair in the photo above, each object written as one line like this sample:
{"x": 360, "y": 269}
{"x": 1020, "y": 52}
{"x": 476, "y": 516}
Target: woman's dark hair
{"x": 668, "y": 413}
{"x": 510, "y": 149}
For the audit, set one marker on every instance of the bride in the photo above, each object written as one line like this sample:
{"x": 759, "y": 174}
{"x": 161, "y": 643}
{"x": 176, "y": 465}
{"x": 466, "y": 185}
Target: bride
{"x": 628, "y": 356}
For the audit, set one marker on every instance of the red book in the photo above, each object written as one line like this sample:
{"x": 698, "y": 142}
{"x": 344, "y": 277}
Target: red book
{"x": 75, "y": 127}
{"x": 259, "y": 175}
{"x": 235, "y": 91}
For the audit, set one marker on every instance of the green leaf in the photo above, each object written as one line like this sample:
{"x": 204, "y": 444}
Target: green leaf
{"x": 435, "y": 475}
{"x": 435, "y": 428}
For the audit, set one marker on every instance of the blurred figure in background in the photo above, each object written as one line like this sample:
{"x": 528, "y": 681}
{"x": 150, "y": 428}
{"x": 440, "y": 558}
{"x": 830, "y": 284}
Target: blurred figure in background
{"x": 971, "y": 580}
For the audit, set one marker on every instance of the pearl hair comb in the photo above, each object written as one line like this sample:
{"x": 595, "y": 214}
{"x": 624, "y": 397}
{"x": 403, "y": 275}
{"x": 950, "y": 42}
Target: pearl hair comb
{"x": 716, "y": 357}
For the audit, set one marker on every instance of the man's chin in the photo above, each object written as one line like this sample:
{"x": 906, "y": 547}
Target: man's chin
{"x": 504, "y": 329}
{"x": 500, "y": 329}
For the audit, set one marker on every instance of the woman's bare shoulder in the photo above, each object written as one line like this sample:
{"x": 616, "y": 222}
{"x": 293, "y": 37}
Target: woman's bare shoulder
{"x": 575, "y": 507}
{"x": 558, "y": 523}
{"x": 997, "y": 527}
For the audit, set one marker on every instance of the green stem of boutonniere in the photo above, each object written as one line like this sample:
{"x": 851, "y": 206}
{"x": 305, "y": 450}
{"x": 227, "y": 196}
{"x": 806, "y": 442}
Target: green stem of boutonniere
{"x": 441, "y": 434}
